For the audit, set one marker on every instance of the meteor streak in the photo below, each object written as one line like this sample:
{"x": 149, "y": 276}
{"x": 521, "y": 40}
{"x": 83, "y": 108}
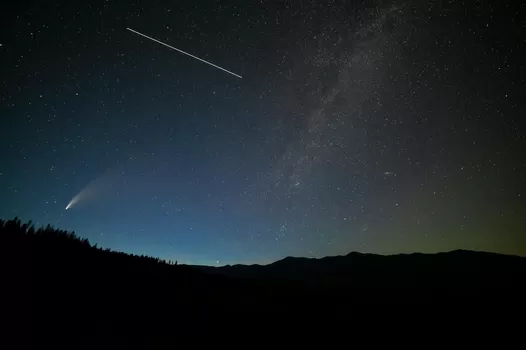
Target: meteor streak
{"x": 183, "y": 52}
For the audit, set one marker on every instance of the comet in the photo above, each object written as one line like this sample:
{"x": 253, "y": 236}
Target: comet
{"x": 73, "y": 201}
{"x": 89, "y": 191}
{"x": 185, "y": 53}
{"x": 100, "y": 185}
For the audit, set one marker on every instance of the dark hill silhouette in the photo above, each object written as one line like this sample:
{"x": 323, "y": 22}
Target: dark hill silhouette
{"x": 84, "y": 295}
{"x": 456, "y": 268}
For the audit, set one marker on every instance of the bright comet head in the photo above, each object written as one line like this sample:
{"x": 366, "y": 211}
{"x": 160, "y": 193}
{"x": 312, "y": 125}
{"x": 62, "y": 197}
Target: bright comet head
{"x": 73, "y": 201}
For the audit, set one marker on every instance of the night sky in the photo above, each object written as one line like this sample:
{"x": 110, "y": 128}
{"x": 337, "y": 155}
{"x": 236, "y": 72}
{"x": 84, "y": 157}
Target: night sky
{"x": 371, "y": 126}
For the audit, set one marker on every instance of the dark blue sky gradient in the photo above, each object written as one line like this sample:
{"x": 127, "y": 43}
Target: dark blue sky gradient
{"x": 377, "y": 128}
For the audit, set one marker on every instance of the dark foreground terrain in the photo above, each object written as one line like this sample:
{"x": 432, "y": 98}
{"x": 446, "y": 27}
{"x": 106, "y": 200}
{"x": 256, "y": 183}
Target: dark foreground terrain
{"x": 59, "y": 288}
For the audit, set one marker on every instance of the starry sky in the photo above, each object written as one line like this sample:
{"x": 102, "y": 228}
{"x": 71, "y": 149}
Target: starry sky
{"x": 371, "y": 126}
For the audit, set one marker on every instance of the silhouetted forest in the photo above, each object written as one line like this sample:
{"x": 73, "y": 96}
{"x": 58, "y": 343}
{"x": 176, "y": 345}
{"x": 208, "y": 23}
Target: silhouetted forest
{"x": 66, "y": 289}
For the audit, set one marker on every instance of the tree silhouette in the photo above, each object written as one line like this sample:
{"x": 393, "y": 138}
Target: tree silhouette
{"x": 72, "y": 288}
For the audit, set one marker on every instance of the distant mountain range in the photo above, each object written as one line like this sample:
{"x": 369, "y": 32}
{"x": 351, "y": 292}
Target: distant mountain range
{"x": 70, "y": 289}
{"x": 455, "y": 268}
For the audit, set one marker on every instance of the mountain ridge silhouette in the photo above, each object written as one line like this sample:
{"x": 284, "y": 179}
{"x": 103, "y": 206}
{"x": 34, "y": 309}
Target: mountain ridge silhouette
{"x": 409, "y": 265}
{"x": 60, "y": 281}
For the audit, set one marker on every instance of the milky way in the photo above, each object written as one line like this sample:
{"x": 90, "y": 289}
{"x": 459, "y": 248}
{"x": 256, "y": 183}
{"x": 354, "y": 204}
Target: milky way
{"x": 382, "y": 127}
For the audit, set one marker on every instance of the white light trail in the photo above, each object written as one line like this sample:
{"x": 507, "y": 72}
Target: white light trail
{"x": 74, "y": 200}
{"x": 186, "y": 53}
